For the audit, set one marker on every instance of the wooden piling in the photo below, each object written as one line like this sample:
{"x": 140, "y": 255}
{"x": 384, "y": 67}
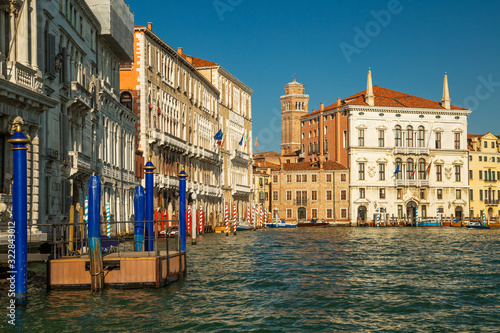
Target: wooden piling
{"x": 71, "y": 227}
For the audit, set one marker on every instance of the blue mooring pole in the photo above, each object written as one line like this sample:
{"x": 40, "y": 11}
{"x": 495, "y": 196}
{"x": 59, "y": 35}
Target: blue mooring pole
{"x": 150, "y": 236}
{"x": 139, "y": 205}
{"x": 20, "y": 215}
{"x": 182, "y": 208}
{"x": 94, "y": 226}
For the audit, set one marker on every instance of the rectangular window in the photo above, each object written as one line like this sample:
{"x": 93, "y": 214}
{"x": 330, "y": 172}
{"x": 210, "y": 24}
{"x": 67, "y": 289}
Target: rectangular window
{"x": 480, "y": 195}
{"x": 329, "y": 213}
{"x": 361, "y": 174}
{"x": 314, "y": 212}
{"x": 381, "y": 171}
{"x": 458, "y": 194}
{"x": 343, "y": 177}
{"x": 343, "y": 195}
{"x": 314, "y": 195}
{"x": 422, "y": 194}
{"x": 381, "y": 141}
{"x": 343, "y": 213}
{"x": 457, "y": 173}
{"x": 439, "y": 194}
{"x": 361, "y": 137}
{"x": 480, "y": 174}
{"x": 381, "y": 192}
{"x": 288, "y": 213}
{"x": 328, "y": 177}
{"x": 424, "y": 211}
{"x": 288, "y": 178}
{"x": 304, "y": 178}
{"x": 298, "y": 178}
{"x": 313, "y": 178}
{"x": 470, "y": 158}
{"x": 400, "y": 211}
{"x": 345, "y": 139}
{"x": 438, "y": 140}
{"x": 471, "y": 195}
{"x": 439, "y": 173}
{"x": 361, "y": 193}
{"x": 275, "y": 195}
{"x": 399, "y": 194}
{"x": 498, "y": 176}
{"x": 275, "y": 178}
{"x": 480, "y": 158}
{"x": 457, "y": 140}
{"x": 288, "y": 195}
{"x": 470, "y": 174}
{"x": 329, "y": 195}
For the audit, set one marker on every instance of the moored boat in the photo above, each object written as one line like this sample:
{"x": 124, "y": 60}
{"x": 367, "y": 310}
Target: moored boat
{"x": 240, "y": 226}
{"x": 312, "y": 223}
{"x": 476, "y": 225}
{"x": 281, "y": 224}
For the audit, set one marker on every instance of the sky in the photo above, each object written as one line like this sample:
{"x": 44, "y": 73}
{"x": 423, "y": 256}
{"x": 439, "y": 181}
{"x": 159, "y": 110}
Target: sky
{"x": 329, "y": 46}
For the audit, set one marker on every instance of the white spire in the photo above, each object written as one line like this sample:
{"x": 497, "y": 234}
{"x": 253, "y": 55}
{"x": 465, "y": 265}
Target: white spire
{"x": 369, "y": 97}
{"x": 445, "y": 102}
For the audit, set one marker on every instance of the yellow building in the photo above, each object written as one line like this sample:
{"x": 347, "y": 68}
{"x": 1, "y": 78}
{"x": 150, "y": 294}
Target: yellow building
{"x": 262, "y": 184}
{"x": 484, "y": 172}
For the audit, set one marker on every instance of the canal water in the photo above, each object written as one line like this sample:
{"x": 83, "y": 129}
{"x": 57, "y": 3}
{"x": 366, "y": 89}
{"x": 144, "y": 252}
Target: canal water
{"x": 301, "y": 280}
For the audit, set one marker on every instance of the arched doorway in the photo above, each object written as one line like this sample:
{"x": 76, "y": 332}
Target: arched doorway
{"x": 411, "y": 210}
{"x": 362, "y": 213}
{"x": 490, "y": 213}
{"x": 301, "y": 214}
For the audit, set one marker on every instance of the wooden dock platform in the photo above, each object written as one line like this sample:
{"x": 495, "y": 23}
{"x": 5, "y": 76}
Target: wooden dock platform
{"x": 121, "y": 270}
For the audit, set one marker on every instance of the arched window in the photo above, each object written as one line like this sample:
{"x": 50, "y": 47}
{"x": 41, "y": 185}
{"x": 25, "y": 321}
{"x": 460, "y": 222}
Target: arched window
{"x": 399, "y": 169}
{"x": 421, "y": 136}
{"x": 126, "y": 99}
{"x": 421, "y": 169}
{"x": 397, "y": 136}
{"x": 410, "y": 167}
{"x": 409, "y": 136}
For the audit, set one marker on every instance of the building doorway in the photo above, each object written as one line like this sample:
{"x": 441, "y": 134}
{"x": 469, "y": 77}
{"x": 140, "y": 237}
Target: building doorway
{"x": 362, "y": 213}
{"x": 411, "y": 211}
{"x": 490, "y": 213}
{"x": 301, "y": 214}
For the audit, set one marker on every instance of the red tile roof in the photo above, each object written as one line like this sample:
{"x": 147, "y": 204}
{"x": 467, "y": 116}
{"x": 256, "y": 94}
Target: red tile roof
{"x": 266, "y": 154}
{"x": 304, "y": 166}
{"x": 265, "y": 164}
{"x": 198, "y": 62}
{"x": 387, "y": 97}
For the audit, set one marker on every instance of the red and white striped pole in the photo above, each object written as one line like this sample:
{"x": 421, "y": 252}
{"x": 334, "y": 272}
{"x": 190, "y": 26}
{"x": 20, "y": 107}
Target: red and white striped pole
{"x": 188, "y": 219}
{"x": 227, "y": 221}
{"x": 201, "y": 218}
{"x": 234, "y": 218}
{"x": 248, "y": 215}
{"x": 261, "y": 217}
{"x": 253, "y": 217}
{"x": 265, "y": 215}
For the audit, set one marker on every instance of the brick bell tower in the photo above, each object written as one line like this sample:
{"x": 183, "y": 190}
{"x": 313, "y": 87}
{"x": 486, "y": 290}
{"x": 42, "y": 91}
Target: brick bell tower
{"x": 294, "y": 104}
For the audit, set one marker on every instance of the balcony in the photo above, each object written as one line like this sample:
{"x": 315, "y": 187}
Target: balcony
{"x": 411, "y": 151}
{"x": 80, "y": 164}
{"x": 241, "y": 157}
{"x": 412, "y": 182}
{"x": 24, "y": 76}
{"x": 242, "y": 189}
{"x": 80, "y": 96}
{"x": 491, "y": 202}
{"x": 300, "y": 202}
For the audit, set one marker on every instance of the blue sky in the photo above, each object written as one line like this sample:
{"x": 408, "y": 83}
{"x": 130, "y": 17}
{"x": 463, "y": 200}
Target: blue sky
{"x": 331, "y": 44}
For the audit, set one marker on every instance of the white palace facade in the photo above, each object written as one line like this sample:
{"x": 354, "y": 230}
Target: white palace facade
{"x": 407, "y": 155}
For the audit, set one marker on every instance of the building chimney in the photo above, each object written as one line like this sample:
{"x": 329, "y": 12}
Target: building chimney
{"x": 321, "y": 106}
{"x": 179, "y": 50}
{"x": 445, "y": 101}
{"x": 338, "y": 101}
{"x": 150, "y": 26}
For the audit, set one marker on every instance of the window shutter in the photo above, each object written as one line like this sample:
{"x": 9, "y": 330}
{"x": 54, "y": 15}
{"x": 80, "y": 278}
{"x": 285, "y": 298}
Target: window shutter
{"x": 52, "y": 54}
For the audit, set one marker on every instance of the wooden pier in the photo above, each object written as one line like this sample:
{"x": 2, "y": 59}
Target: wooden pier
{"x": 121, "y": 270}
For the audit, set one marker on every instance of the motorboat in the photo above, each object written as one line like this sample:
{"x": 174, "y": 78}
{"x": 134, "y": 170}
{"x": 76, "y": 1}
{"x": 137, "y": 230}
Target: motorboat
{"x": 313, "y": 223}
{"x": 240, "y": 226}
{"x": 476, "y": 225}
{"x": 281, "y": 224}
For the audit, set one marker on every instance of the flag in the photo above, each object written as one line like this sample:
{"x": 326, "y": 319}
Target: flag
{"x": 241, "y": 141}
{"x": 223, "y": 141}
{"x": 218, "y": 136}
{"x": 246, "y": 142}
{"x": 429, "y": 168}
{"x": 257, "y": 144}
{"x": 414, "y": 170}
{"x": 397, "y": 170}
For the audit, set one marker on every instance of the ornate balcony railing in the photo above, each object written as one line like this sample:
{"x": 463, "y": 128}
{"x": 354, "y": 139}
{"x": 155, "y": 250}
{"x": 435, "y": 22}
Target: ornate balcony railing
{"x": 80, "y": 95}
{"x": 491, "y": 202}
{"x": 412, "y": 182}
{"x": 300, "y": 202}
{"x": 80, "y": 163}
{"x": 411, "y": 150}
{"x": 23, "y": 75}
{"x": 241, "y": 157}
{"x": 242, "y": 188}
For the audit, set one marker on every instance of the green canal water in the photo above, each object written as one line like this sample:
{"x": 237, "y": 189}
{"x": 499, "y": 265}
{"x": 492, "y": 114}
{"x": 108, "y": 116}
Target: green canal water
{"x": 300, "y": 280}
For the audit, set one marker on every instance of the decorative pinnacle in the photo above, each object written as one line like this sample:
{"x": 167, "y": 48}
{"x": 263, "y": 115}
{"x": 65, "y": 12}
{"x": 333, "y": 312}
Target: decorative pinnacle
{"x": 18, "y": 128}
{"x": 149, "y": 158}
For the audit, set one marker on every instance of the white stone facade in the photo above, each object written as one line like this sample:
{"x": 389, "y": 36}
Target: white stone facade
{"x": 382, "y": 137}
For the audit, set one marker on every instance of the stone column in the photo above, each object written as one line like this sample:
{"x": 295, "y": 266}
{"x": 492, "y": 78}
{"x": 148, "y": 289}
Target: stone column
{"x": 23, "y": 35}
{"x": 12, "y": 41}
{"x": 3, "y": 33}
{"x": 34, "y": 35}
